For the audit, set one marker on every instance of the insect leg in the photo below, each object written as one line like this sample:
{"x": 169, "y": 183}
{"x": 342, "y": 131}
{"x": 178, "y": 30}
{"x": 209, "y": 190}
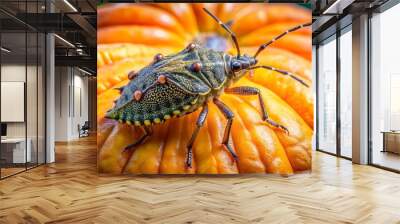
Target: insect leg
{"x": 226, "y": 27}
{"x": 228, "y": 115}
{"x": 200, "y": 121}
{"x": 147, "y": 133}
{"x": 247, "y": 90}
{"x": 262, "y": 47}
{"x": 291, "y": 75}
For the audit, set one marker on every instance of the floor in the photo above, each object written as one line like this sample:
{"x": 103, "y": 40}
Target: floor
{"x": 71, "y": 191}
{"x": 5, "y": 172}
{"x": 10, "y": 171}
{"x": 387, "y": 159}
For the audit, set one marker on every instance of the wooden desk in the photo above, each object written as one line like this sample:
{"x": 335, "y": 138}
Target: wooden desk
{"x": 391, "y": 141}
{"x": 13, "y": 150}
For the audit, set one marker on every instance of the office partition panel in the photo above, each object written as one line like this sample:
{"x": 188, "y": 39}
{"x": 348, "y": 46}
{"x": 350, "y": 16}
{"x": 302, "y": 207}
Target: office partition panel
{"x": 16, "y": 150}
{"x": 22, "y": 76}
{"x": 32, "y": 96}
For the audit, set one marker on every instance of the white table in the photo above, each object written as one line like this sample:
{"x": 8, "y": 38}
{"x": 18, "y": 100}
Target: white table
{"x": 18, "y": 149}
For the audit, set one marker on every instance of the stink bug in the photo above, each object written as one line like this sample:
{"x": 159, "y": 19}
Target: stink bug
{"x": 179, "y": 84}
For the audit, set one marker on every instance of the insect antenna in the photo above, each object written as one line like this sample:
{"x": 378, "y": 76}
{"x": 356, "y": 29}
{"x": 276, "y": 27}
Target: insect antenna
{"x": 262, "y": 47}
{"x": 226, "y": 27}
{"x": 291, "y": 75}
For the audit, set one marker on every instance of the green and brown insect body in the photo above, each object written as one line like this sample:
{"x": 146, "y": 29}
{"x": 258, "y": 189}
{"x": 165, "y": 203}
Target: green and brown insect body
{"x": 180, "y": 84}
{"x": 171, "y": 86}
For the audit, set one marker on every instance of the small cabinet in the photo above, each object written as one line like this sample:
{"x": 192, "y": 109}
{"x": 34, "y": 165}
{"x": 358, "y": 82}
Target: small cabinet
{"x": 391, "y": 142}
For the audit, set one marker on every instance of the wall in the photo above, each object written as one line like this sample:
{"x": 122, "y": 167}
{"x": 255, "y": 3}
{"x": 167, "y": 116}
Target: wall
{"x": 61, "y": 103}
{"x": 80, "y": 103}
{"x": 17, "y": 72}
{"x": 71, "y": 102}
{"x": 33, "y": 127}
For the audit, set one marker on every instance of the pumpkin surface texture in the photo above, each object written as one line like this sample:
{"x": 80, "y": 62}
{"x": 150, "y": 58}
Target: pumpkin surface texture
{"x": 130, "y": 35}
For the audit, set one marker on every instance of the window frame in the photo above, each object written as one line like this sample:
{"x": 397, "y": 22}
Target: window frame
{"x": 334, "y": 37}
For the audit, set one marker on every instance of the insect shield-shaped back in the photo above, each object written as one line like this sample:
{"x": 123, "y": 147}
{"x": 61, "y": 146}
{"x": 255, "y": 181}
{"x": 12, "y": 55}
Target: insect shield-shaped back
{"x": 170, "y": 86}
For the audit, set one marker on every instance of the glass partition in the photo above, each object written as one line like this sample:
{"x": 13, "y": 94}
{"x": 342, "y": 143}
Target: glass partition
{"x": 41, "y": 97}
{"x": 15, "y": 151}
{"x": 22, "y": 77}
{"x": 31, "y": 97}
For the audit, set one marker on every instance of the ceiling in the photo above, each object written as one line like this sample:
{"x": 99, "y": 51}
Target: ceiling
{"x": 329, "y": 16}
{"x": 74, "y": 21}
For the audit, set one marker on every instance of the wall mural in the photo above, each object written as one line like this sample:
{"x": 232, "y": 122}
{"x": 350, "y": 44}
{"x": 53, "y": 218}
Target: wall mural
{"x": 204, "y": 88}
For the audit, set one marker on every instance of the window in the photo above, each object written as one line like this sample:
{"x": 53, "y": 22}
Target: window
{"x": 385, "y": 89}
{"x": 327, "y": 96}
{"x": 346, "y": 75}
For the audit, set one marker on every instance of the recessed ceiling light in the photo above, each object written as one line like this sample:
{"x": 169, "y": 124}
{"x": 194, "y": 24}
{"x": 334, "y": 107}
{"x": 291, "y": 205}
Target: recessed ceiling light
{"x": 84, "y": 71}
{"x": 5, "y": 50}
{"x": 64, "y": 40}
{"x": 70, "y": 5}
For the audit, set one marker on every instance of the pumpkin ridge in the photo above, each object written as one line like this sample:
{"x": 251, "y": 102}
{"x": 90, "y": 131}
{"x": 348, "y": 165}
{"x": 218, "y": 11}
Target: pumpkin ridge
{"x": 270, "y": 131}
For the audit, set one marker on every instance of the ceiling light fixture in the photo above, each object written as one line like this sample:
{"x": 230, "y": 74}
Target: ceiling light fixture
{"x": 84, "y": 71}
{"x": 328, "y": 10}
{"x": 70, "y": 5}
{"x": 337, "y": 7}
{"x": 5, "y": 50}
{"x": 64, "y": 40}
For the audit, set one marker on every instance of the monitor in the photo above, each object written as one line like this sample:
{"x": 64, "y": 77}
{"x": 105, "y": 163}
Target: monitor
{"x": 3, "y": 129}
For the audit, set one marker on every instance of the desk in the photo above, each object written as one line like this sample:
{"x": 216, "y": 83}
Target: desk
{"x": 391, "y": 141}
{"x": 13, "y": 150}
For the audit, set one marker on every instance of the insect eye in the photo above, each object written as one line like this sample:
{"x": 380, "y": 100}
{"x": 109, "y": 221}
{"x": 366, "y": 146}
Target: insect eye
{"x": 132, "y": 75}
{"x": 236, "y": 66}
{"x": 196, "y": 67}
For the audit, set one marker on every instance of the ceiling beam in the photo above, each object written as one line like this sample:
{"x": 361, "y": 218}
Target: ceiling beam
{"x": 76, "y": 61}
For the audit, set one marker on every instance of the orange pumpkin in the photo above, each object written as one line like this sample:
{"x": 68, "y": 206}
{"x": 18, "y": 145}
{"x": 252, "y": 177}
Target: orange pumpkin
{"x": 129, "y": 35}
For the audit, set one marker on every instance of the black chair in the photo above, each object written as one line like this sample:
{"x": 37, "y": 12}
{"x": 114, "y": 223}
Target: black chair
{"x": 84, "y": 130}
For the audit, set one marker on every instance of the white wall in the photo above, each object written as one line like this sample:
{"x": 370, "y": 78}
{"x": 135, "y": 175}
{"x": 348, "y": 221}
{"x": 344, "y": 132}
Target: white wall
{"x": 71, "y": 93}
{"x": 81, "y": 89}
{"x": 33, "y": 127}
{"x": 61, "y": 103}
{"x": 15, "y": 73}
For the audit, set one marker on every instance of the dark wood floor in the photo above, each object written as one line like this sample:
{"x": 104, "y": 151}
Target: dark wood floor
{"x": 71, "y": 191}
